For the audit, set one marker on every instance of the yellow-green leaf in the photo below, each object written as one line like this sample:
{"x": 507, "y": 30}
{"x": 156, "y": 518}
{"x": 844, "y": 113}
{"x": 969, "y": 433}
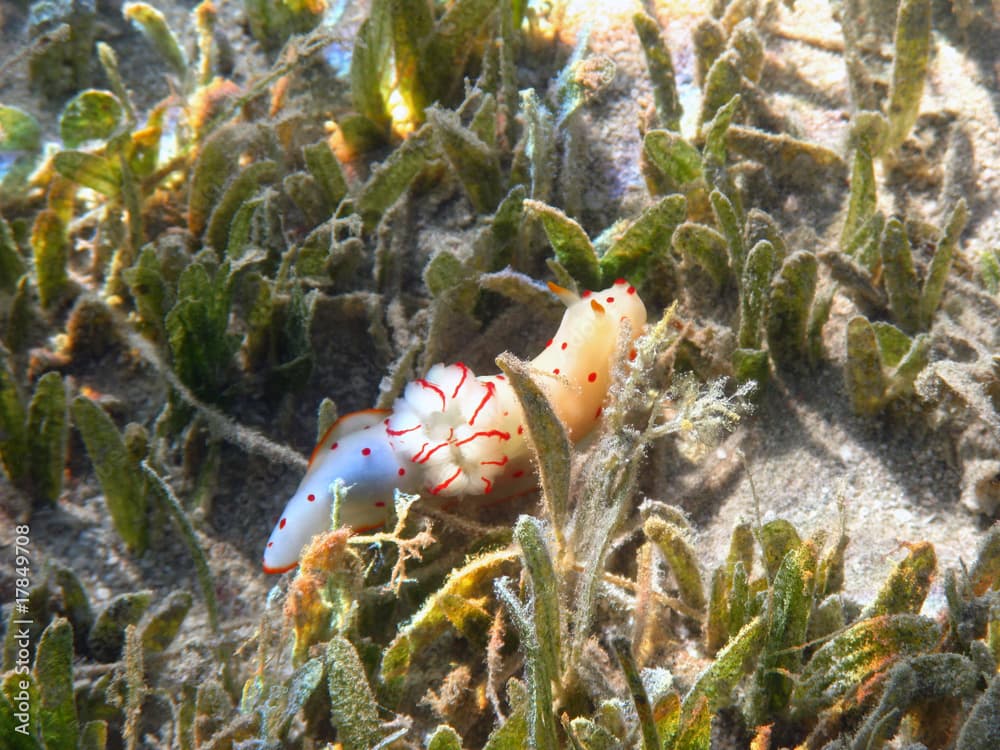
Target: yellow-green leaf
{"x": 19, "y": 131}
{"x": 91, "y": 115}
{"x": 572, "y": 246}
{"x": 90, "y": 170}
{"x": 352, "y": 705}
{"x": 120, "y": 478}
{"x": 154, "y": 27}
{"x": 54, "y": 675}
{"x": 47, "y": 432}
{"x": 50, "y": 246}
{"x": 866, "y": 648}
{"x": 908, "y": 585}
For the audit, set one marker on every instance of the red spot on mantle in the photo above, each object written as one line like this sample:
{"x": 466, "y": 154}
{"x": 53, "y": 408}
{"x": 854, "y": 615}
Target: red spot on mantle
{"x": 311, "y": 498}
{"x": 282, "y": 522}
{"x": 592, "y": 377}
{"x": 366, "y": 451}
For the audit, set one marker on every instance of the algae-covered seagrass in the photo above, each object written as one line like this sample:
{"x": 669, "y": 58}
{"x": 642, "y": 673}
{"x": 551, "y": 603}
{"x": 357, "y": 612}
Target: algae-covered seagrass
{"x": 223, "y": 228}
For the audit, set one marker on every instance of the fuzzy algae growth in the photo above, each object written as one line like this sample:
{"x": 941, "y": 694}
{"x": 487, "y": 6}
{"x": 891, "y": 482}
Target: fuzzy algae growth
{"x": 182, "y": 282}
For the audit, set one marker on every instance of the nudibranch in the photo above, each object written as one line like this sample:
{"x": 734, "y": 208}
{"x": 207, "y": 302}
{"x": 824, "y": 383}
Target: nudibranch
{"x": 453, "y": 433}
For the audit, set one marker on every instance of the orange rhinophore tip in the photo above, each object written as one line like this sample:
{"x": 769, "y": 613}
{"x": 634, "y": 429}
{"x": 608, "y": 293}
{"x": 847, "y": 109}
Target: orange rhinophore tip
{"x": 568, "y": 297}
{"x": 597, "y": 307}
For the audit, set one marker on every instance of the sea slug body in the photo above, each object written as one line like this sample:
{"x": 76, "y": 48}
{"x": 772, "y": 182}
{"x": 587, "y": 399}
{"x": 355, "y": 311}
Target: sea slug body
{"x": 454, "y": 434}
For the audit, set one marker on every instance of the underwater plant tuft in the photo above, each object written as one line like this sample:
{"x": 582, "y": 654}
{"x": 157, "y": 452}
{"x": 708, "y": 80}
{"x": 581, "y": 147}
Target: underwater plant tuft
{"x": 230, "y": 232}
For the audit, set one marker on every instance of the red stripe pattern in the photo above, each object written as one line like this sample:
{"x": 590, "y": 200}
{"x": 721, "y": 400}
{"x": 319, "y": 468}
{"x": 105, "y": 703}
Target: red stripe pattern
{"x": 459, "y": 430}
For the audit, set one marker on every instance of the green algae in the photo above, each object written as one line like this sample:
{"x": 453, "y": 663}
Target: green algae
{"x": 219, "y": 275}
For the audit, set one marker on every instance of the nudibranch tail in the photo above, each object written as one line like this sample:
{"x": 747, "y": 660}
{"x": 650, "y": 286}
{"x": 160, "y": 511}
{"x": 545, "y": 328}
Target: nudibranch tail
{"x": 353, "y": 422}
{"x": 454, "y": 434}
{"x": 358, "y": 452}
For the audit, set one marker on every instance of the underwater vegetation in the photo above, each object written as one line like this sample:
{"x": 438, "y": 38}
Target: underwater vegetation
{"x": 197, "y": 279}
